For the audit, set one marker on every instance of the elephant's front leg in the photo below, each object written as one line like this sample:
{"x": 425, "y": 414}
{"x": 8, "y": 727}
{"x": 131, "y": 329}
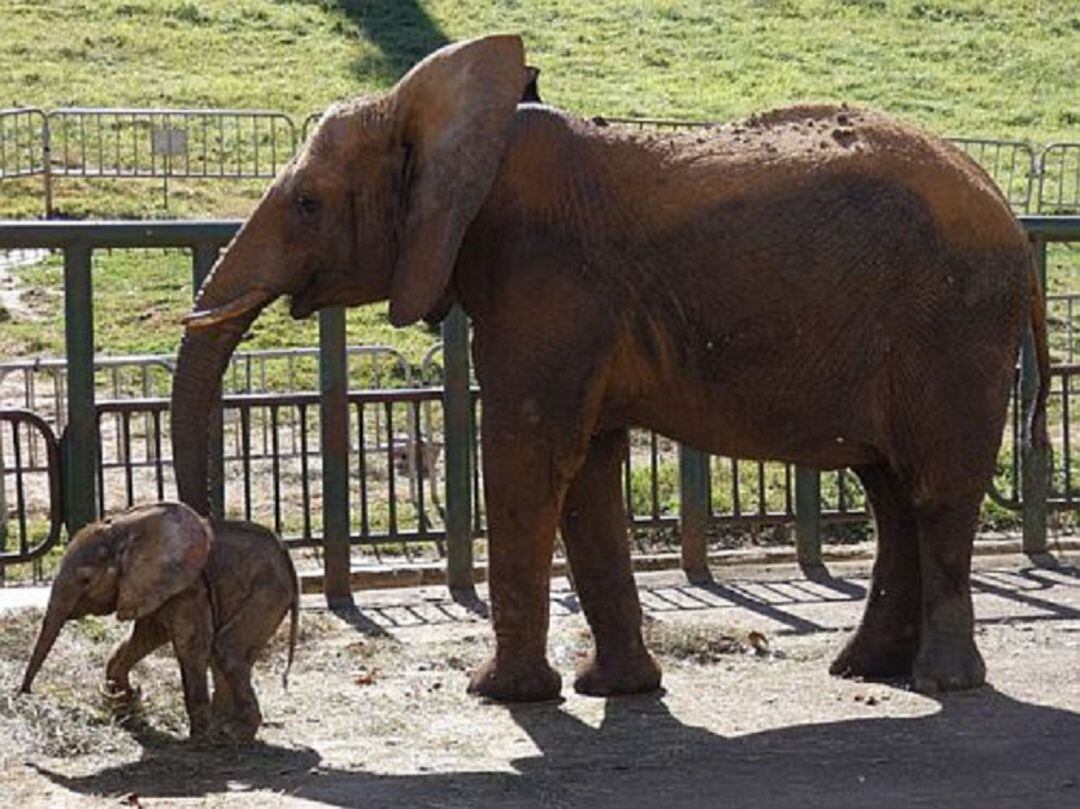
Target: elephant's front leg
{"x": 525, "y": 478}
{"x": 594, "y": 530}
{"x": 189, "y": 623}
{"x": 146, "y": 636}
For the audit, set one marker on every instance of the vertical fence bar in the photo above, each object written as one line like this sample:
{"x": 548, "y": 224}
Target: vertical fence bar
{"x": 334, "y": 417}
{"x": 46, "y": 169}
{"x": 204, "y": 256}
{"x": 457, "y": 418}
{"x": 1034, "y": 465}
{"x": 694, "y": 510}
{"x": 808, "y": 517}
{"x": 80, "y": 435}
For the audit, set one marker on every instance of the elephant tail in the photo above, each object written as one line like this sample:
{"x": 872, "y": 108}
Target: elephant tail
{"x": 1037, "y": 432}
{"x": 294, "y": 616}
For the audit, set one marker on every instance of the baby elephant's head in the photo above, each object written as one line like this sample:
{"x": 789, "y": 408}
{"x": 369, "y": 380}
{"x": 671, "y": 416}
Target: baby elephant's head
{"x": 129, "y": 564}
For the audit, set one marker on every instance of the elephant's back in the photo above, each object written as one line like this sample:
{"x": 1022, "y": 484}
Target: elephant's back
{"x": 806, "y": 147}
{"x": 670, "y": 177}
{"x": 248, "y": 557}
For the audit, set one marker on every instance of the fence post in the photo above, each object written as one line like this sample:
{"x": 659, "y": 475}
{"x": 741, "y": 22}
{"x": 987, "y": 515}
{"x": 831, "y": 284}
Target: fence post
{"x": 457, "y": 418}
{"x": 334, "y": 417}
{"x": 46, "y": 159}
{"x": 81, "y": 433}
{"x": 1034, "y": 462}
{"x": 808, "y": 517}
{"x": 204, "y": 256}
{"x": 694, "y": 510}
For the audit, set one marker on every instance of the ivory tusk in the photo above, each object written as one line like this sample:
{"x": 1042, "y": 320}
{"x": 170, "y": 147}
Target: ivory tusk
{"x": 228, "y": 311}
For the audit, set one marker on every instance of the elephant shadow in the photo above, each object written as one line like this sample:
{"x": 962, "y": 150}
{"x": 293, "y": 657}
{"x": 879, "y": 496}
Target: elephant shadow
{"x": 981, "y": 749}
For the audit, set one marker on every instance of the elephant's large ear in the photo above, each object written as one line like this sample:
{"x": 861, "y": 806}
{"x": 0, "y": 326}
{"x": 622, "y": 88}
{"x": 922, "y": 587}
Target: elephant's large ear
{"x": 162, "y": 550}
{"x": 453, "y": 116}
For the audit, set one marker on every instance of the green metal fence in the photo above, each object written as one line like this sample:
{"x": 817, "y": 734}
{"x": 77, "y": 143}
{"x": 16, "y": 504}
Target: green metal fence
{"x": 334, "y": 421}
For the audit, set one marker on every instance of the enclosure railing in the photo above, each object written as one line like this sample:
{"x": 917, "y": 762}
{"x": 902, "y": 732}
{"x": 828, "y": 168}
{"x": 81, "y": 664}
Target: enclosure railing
{"x": 216, "y": 144}
{"x": 324, "y": 480}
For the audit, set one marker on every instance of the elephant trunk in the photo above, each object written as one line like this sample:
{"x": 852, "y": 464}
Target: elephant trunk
{"x": 196, "y": 394}
{"x": 234, "y": 300}
{"x": 55, "y": 617}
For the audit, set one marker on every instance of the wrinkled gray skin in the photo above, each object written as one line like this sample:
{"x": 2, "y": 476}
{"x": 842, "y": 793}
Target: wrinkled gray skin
{"x": 217, "y": 594}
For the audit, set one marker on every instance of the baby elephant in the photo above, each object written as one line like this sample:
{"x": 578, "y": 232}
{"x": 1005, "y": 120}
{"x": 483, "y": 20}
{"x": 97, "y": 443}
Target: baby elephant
{"x": 218, "y": 593}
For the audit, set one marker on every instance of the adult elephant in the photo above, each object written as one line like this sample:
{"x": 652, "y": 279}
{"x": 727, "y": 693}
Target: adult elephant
{"x": 818, "y": 285}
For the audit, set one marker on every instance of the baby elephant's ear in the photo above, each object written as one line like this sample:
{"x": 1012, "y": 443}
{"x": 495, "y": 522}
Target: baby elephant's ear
{"x": 165, "y": 548}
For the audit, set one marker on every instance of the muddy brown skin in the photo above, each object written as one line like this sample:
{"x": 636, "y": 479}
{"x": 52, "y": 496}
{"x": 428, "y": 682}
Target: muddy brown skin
{"x": 218, "y": 595}
{"x": 819, "y": 285}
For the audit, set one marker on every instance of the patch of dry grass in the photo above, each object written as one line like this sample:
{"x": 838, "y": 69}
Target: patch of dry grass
{"x": 702, "y": 643}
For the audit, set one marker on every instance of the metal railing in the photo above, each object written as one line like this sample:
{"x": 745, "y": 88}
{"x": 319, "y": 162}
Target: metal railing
{"x": 25, "y": 539}
{"x": 218, "y": 144}
{"x": 179, "y": 143}
{"x": 1059, "y": 179}
{"x": 119, "y": 143}
{"x": 330, "y": 465}
{"x": 24, "y": 142}
{"x": 1011, "y": 164}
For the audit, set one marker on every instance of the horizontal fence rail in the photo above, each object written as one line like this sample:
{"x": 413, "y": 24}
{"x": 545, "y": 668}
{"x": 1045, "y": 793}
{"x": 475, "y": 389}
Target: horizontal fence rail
{"x": 208, "y": 144}
{"x": 406, "y": 468}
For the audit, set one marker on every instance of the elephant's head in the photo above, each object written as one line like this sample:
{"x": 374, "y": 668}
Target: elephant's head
{"x": 375, "y": 206}
{"x": 129, "y": 564}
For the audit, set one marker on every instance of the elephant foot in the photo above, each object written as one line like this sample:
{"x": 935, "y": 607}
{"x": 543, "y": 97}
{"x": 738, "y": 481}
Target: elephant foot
{"x": 233, "y": 731}
{"x": 948, "y": 662}
{"x": 507, "y": 680}
{"x": 875, "y": 655}
{"x": 120, "y": 693}
{"x": 630, "y": 674}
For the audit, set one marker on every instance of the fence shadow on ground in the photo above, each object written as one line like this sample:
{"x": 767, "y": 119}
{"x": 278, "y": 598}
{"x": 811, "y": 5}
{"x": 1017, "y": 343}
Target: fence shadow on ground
{"x": 776, "y": 600}
{"x": 979, "y": 749}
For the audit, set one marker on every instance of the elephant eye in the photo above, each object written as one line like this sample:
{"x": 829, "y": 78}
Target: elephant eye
{"x": 307, "y": 206}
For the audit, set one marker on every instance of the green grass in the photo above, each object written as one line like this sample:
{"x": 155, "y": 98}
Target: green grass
{"x": 975, "y": 67}
{"x": 139, "y": 298}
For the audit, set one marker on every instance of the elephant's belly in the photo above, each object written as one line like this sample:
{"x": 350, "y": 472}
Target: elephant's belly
{"x": 795, "y": 432}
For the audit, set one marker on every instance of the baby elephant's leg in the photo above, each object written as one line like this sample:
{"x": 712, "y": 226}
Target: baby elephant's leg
{"x": 146, "y": 636}
{"x": 222, "y": 704}
{"x": 191, "y": 630}
{"x": 237, "y": 711}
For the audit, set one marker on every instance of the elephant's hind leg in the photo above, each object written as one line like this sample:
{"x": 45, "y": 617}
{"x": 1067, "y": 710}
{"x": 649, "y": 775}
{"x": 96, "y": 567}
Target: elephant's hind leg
{"x": 948, "y": 659}
{"x": 887, "y": 640}
{"x": 222, "y": 704}
{"x": 594, "y": 531}
{"x": 236, "y": 711}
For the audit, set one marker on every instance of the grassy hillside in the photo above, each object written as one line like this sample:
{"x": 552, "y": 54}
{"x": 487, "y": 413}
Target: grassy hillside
{"x": 988, "y": 67}
{"x": 1004, "y": 68}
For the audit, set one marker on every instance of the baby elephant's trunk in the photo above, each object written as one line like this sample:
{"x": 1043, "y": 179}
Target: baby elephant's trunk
{"x": 50, "y": 630}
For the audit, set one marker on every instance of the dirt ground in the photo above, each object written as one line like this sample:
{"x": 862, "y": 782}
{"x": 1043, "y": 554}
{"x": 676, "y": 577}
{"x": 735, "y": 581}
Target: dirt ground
{"x": 376, "y": 715}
